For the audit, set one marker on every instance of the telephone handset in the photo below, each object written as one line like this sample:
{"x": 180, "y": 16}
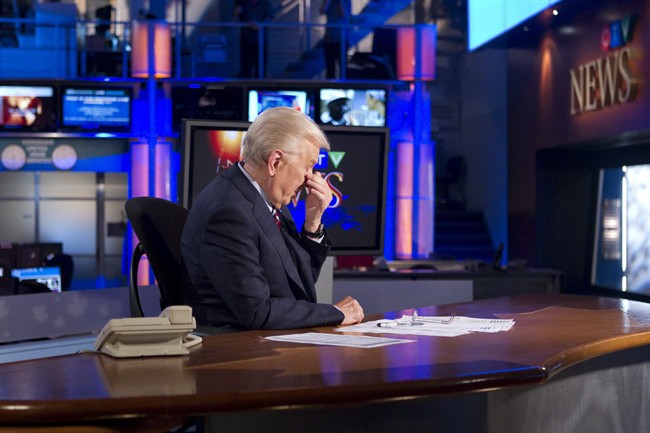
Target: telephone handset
{"x": 167, "y": 334}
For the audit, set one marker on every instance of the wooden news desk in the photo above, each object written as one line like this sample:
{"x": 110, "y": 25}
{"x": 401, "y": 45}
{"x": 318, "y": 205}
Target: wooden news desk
{"x": 244, "y": 373}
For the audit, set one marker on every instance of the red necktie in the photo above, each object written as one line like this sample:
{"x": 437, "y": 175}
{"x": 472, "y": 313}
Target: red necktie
{"x": 276, "y": 217}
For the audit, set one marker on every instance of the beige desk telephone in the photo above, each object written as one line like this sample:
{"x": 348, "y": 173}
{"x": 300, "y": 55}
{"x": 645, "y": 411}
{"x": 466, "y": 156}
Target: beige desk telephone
{"x": 167, "y": 334}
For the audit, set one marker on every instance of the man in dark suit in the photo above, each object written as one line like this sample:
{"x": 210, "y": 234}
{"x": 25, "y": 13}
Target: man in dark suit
{"x": 245, "y": 269}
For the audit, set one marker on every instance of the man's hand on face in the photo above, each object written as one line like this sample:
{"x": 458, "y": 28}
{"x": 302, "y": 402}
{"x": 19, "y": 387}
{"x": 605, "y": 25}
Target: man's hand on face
{"x": 319, "y": 196}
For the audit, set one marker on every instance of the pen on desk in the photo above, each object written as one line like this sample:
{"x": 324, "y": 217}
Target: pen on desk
{"x": 387, "y": 325}
{"x": 396, "y": 324}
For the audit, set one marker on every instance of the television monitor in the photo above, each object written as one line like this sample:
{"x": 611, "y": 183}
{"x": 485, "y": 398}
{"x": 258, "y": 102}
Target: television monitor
{"x": 355, "y": 168}
{"x": 27, "y": 108}
{"x": 621, "y": 250}
{"x": 489, "y": 19}
{"x": 194, "y": 101}
{"x": 49, "y": 275}
{"x": 261, "y": 99}
{"x": 356, "y": 107}
{"x": 96, "y": 108}
{"x": 208, "y": 147}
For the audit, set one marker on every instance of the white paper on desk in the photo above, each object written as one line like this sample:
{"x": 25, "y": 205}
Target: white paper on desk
{"x": 338, "y": 340}
{"x": 432, "y": 326}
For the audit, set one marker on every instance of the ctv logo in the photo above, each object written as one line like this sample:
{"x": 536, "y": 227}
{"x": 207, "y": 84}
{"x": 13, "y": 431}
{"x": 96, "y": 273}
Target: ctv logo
{"x": 325, "y": 158}
{"x": 617, "y": 33}
{"x": 331, "y": 159}
{"x": 609, "y": 80}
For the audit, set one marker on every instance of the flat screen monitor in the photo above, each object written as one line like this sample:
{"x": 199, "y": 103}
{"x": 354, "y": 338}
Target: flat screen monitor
{"x": 261, "y": 99}
{"x": 50, "y": 276}
{"x": 194, "y": 101}
{"x": 27, "y": 108}
{"x": 490, "y": 19}
{"x": 209, "y": 146}
{"x": 96, "y": 108}
{"x": 621, "y": 250}
{"x": 355, "y": 107}
{"x": 355, "y": 168}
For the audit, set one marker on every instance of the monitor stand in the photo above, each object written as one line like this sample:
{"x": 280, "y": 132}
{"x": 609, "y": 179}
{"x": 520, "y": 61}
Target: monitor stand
{"x": 325, "y": 283}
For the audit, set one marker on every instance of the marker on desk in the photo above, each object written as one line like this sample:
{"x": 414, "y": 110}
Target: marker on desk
{"x": 396, "y": 324}
{"x": 387, "y": 325}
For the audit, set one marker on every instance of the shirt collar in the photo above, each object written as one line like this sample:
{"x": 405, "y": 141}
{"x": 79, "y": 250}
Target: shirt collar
{"x": 240, "y": 164}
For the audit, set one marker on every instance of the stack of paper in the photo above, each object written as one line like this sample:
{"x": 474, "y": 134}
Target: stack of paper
{"x": 338, "y": 340}
{"x": 432, "y": 326}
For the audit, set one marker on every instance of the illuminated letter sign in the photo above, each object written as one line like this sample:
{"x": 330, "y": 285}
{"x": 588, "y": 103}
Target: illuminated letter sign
{"x": 608, "y": 80}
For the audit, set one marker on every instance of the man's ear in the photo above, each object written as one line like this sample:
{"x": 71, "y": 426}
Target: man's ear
{"x": 274, "y": 161}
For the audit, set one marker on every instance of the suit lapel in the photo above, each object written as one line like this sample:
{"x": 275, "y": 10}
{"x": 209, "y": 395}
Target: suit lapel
{"x": 303, "y": 260}
{"x": 268, "y": 226}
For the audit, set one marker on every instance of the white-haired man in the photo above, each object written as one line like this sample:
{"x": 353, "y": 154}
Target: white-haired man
{"x": 247, "y": 268}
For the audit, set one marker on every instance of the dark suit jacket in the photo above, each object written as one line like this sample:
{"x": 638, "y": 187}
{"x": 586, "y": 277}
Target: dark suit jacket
{"x": 240, "y": 270}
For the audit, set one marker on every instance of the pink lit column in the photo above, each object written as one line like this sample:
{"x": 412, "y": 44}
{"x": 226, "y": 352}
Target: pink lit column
{"x": 416, "y": 157}
{"x": 163, "y": 156}
{"x": 150, "y": 156}
{"x": 140, "y": 188}
{"x": 404, "y": 201}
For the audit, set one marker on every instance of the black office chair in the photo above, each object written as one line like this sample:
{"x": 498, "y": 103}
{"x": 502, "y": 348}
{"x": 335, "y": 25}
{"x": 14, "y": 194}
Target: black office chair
{"x": 158, "y": 224}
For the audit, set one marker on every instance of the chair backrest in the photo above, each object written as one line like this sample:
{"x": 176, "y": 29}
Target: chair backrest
{"x": 158, "y": 224}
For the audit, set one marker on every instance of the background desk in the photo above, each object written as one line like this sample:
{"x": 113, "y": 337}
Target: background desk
{"x": 245, "y": 379}
{"x": 390, "y": 290}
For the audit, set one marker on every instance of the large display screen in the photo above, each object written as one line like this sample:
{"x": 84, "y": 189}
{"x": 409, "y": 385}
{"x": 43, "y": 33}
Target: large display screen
{"x": 357, "y": 107}
{"x": 27, "y": 108}
{"x": 261, "y": 99}
{"x": 106, "y": 109}
{"x": 215, "y": 102}
{"x": 489, "y": 19}
{"x": 355, "y": 169}
{"x": 50, "y": 276}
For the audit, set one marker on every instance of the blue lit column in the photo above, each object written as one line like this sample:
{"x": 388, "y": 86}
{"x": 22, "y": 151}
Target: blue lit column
{"x": 151, "y": 154}
{"x": 415, "y": 201}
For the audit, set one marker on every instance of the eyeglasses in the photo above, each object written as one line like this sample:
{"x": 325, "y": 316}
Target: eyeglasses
{"x": 419, "y": 321}
{"x": 415, "y": 320}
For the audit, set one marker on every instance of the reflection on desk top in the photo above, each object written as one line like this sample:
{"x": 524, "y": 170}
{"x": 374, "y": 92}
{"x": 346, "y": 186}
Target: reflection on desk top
{"x": 428, "y": 271}
{"x": 434, "y": 265}
{"x": 245, "y": 371}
